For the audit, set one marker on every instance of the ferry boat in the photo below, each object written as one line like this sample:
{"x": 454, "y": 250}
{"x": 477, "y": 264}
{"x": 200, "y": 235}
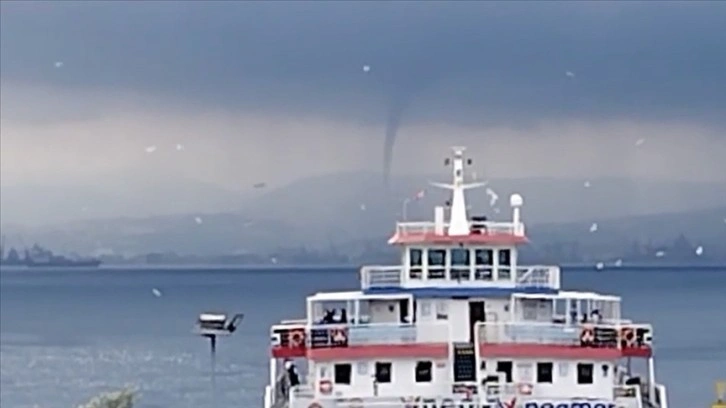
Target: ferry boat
{"x": 460, "y": 323}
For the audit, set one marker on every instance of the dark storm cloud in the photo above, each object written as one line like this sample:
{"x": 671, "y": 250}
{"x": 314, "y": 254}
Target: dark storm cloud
{"x": 464, "y": 62}
{"x": 629, "y": 59}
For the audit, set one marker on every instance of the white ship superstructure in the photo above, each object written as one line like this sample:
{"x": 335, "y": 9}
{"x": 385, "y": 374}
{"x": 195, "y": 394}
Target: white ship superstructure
{"x": 460, "y": 323}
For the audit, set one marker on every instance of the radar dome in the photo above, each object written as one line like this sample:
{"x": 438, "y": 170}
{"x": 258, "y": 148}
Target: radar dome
{"x": 516, "y": 200}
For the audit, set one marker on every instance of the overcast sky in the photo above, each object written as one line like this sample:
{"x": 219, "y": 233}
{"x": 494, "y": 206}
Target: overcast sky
{"x": 276, "y": 91}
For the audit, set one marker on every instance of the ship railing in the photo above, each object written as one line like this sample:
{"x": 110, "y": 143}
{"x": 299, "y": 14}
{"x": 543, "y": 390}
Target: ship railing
{"x": 343, "y": 335}
{"x": 535, "y": 276}
{"x": 562, "y": 334}
{"x": 660, "y": 399}
{"x": 483, "y": 227}
{"x": 627, "y": 392}
{"x": 538, "y": 276}
{"x": 381, "y": 276}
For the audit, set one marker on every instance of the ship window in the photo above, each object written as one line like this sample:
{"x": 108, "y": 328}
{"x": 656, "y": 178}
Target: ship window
{"x": 415, "y": 257}
{"x": 505, "y": 367}
{"x": 483, "y": 259}
{"x": 584, "y": 373}
{"x": 423, "y": 371}
{"x": 544, "y": 373}
{"x": 505, "y": 263}
{"x": 342, "y": 373}
{"x": 383, "y": 373}
{"x": 437, "y": 263}
{"x": 459, "y": 264}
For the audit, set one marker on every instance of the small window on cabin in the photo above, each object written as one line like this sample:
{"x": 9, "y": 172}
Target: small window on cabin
{"x": 505, "y": 367}
{"x": 437, "y": 263}
{"x": 505, "y": 263}
{"x": 415, "y": 257}
{"x": 544, "y": 373}
{"x": 342, "y": 373}
{"x": 584, "y": 373}
{"x": 505, "y": 257}
{"x": 383, "y": 373}
{"x": 483, "y": 260}
{"x": 424, "y": 371}
{"x": 459, "y": 264}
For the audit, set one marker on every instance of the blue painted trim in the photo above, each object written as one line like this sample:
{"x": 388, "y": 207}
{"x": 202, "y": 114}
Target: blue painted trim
{"x": 438, "y": 292}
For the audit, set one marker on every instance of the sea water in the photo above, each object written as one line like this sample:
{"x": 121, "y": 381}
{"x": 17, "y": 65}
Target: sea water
{"x": 66, "y": 336}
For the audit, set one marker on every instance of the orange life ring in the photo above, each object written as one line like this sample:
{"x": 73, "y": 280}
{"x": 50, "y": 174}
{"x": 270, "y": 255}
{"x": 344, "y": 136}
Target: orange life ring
{"x": 627, "y": 337}
{"x": 325, "y": 387}
{"x": 587, "y": 336}
{"x": 297, "y": 338}
{"x": 524, "y": 389}
{"x": 315, "y": 405}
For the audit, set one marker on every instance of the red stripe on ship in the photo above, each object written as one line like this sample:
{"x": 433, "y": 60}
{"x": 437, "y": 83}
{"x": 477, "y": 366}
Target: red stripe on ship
{"x": 441, "y": 350}
{"x": 558, "y": 351}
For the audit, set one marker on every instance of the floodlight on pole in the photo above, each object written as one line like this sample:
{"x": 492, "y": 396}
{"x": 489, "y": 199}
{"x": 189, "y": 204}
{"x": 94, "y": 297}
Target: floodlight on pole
{"x": 212, "y": 325}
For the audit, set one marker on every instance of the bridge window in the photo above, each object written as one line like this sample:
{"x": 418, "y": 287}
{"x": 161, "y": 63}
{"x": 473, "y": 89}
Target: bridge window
{"x": 483, "y": 260}
{"x": 415, "y": 259}
{"x": 383, "y": 373}
{"x": 342, "y": 373}
{"x": 437, "y": 263}
{"x": 584, "y": 373}
{"x": 505, "y": 264}
{"x": 544, "y": 373}
{"x": 459, "y": 264}
{"x": 424, "y": 371}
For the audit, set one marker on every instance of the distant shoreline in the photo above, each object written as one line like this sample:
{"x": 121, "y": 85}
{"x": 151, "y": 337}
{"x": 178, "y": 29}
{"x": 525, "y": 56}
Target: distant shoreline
{"x": 579, "y": 267}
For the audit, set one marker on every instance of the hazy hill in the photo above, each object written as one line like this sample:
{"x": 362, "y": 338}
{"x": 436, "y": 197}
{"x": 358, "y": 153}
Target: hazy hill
{"x": 356, "y": 207}
{"x": 337, "y": 199}
{"x": 44, "y": 204}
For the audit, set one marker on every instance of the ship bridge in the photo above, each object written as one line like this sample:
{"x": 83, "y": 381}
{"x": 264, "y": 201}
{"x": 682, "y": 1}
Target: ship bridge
{"x": 463, "y": 255}
{"x": 460, "y": 322}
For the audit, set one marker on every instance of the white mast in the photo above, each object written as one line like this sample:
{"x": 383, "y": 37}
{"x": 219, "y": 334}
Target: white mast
{"x": 459, "y": 221}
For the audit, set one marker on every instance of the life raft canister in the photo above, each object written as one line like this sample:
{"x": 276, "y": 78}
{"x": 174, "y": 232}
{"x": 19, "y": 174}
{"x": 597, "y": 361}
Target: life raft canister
{"x": 448, "y": 403}
{"x": 410, "y": 402}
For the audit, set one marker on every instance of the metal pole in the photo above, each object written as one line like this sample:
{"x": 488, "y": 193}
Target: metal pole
{"x": 405, "y": 207}
{"x": 213, "y": 344}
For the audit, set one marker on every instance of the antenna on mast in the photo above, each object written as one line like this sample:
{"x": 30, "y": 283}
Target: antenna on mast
{"x": 459, "y": 221}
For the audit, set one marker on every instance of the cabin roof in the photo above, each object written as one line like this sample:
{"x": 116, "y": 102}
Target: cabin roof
{"x": 565, "y": 294}
{"x": 430, "y": 238}
{"x": 355, "y": 295}
{"x": 470, "y": 291}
